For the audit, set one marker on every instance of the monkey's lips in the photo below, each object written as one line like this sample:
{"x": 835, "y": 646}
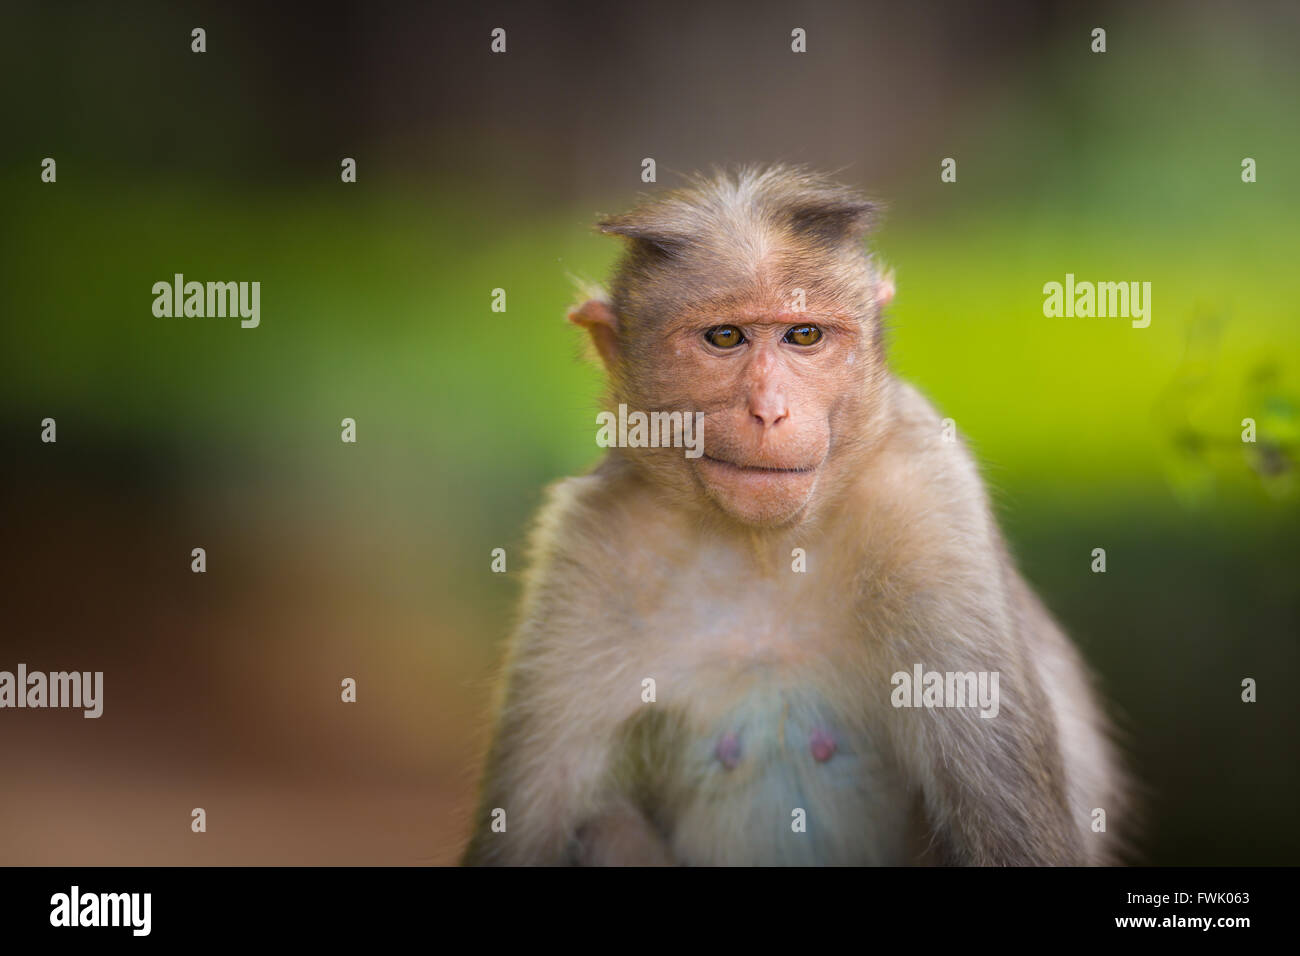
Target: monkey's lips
{"x": 758, "y": 469}
{"x": 758, "y": 494}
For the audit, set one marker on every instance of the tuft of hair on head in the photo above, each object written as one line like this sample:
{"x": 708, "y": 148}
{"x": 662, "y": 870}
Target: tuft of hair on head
{"x": 815, "y": 205}
{"x": 808, "y": 204}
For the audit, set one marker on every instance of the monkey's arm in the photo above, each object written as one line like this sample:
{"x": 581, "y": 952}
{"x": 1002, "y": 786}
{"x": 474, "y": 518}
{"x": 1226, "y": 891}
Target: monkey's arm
{"x": 621, "y": 836}
{"x": 1004, "y": 813}
{"x": 994, "y": 789}
{"x": 570, "y": 687}
{"x": 539, "y": 782}
{"x": 558, "y": 810}
{"x": 550, "y": 795}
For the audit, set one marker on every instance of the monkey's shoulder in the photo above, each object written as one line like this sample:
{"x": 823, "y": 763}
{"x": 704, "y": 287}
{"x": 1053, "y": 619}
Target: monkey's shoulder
{"x": 607, "y": 523}
{"x": 926, "y": 476}
{"x": 934, "y": 446}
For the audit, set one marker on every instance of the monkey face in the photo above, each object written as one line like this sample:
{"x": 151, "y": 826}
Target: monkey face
{"x": 748, "y": 301}
{"x": 774, "y": 388}
{"x": 782, "y": 385}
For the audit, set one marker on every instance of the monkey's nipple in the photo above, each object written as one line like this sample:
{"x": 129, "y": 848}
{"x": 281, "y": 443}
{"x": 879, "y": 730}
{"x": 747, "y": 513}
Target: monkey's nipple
{"x": 728, "y": 750}
{"x": 823, "y": 745}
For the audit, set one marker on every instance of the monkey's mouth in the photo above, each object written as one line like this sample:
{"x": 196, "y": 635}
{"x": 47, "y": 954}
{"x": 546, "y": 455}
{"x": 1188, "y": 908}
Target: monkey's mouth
{"x": 761, "y": 469}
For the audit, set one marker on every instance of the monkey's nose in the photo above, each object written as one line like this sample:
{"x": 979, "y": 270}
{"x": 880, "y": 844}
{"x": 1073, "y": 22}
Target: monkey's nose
{"x": 767, "y": 421}
{"x": 768, "y": 410}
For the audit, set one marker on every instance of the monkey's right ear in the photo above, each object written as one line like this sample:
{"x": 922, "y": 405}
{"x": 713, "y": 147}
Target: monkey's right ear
{"x": 601, "y": 323}
{"x": 655, "y": 235}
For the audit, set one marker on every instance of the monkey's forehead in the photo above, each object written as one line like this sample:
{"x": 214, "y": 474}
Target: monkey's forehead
{"x": 772, "y": 280}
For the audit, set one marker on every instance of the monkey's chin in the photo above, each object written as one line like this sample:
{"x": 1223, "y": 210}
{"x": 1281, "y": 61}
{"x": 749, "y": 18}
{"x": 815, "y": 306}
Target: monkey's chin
{"x": 766, "y": 497}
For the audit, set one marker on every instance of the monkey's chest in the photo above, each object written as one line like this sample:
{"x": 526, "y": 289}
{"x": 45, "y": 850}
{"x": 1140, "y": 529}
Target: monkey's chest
{"x": 778, "y": 778}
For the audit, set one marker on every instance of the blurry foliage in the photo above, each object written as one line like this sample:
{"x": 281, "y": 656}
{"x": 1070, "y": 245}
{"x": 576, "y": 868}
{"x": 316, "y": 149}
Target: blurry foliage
{"x": 1205, "y": 438}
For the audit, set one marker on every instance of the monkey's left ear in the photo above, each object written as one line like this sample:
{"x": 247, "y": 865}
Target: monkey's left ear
{"x": 601, "y": 323}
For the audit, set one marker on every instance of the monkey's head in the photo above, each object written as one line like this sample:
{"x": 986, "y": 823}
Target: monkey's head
{"x": 749, "y": 298}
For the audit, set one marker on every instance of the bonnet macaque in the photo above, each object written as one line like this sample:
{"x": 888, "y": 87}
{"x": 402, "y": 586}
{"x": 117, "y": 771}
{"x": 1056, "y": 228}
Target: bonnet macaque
{"x": 806, "y": 644}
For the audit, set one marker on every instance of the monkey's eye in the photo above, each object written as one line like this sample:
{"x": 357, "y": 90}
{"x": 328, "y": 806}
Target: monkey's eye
{"x": 724, "y": 336}
{"x": 803, "y": 335}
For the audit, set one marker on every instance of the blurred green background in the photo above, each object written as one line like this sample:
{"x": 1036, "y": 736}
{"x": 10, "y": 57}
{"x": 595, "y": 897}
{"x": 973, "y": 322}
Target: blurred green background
{"x": 478, "y": 171}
